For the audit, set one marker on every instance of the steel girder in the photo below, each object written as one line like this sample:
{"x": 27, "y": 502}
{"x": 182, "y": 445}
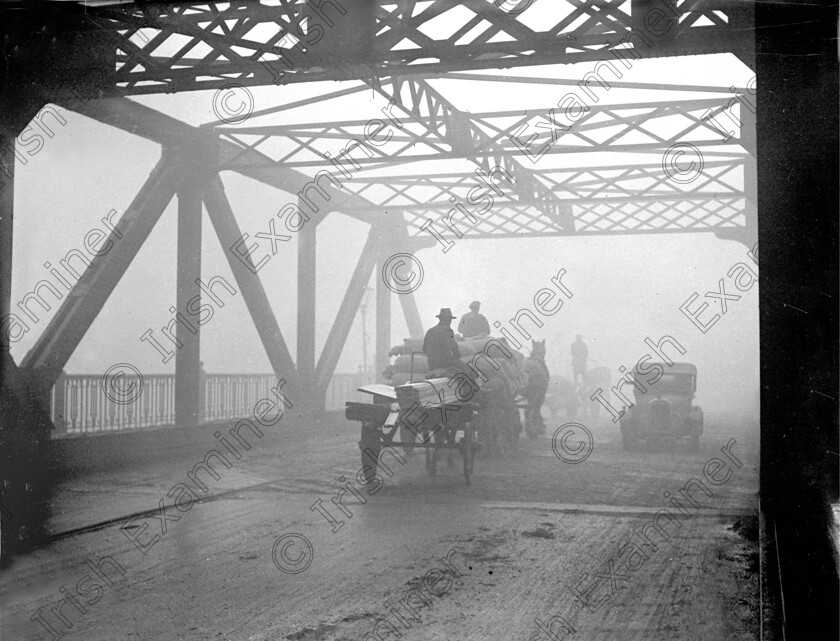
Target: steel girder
{"x": 543, "y": 200}
{"x": 253, "y": 292}
{"x": 515, "y": 140}
{"x": 152, "y": 125}
{"x": 186, "y": 149}
{"x": 578, "y": 184}
{"x": 168, "y": 47}
{"x": 367, "y": 197}
{"x": 83, "y": 303}
{"x": 441, "y": 119}
{"x": 607, "y": 200}
{"x": 159, "y": 48}
{"x": 523, "y": 220}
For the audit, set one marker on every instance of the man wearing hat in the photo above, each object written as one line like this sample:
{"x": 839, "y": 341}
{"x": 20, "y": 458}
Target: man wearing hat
{"x": 473, "y": 323}
{"x": 579, "y": 355}
{"x": 439, "y": 345}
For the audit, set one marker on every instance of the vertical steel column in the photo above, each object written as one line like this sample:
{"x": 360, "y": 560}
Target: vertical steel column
{"x": 307, "y": 388}
{"x": 25, "y": 426}
{"x": 412, "y": 316}
{"x": 748, "y": 140}
{"x": 798, "y": 133}
{"x": 7, "y": 204}
{"x": 188, "y": 355}
{"x": 337, "y": 337}
{"x": 383, "y": 324}
{"x": 402, "y": 242}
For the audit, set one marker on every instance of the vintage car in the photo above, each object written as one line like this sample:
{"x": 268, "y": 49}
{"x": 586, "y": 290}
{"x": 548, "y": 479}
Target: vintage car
{"x": 665, "y": 411}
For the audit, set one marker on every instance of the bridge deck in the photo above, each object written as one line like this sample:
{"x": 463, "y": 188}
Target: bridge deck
{"x": 529, "y": 527}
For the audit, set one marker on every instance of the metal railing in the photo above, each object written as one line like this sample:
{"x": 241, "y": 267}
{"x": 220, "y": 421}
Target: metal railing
{"x": 79, "y": 403}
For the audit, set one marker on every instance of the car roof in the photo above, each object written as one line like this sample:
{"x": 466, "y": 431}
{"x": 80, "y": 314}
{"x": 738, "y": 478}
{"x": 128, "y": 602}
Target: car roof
{"x": 676, "y": 368}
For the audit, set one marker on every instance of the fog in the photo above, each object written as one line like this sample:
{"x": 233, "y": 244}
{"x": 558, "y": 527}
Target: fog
{"x": 625, "y": 288}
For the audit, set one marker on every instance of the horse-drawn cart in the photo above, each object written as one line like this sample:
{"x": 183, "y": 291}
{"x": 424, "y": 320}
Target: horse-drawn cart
{"x": 461, "y": 408}
{"x": 415, "y": 415}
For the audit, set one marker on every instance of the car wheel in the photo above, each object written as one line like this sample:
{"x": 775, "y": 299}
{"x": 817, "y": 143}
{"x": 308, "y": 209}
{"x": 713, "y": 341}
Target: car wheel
{"x": 629, "y": 436}
{"x": 694, "y": 443}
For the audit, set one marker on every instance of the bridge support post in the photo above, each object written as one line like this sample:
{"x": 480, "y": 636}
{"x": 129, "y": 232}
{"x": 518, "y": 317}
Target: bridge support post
{"x": 188, "y": 379}
{"x": 749, "y": 135}
{"x": 797, "y": 105}
{"x": 412, "y": 316}
{"x": 383, "y": 323}
{"x": 7, "y": 206}
{"x": 407, "y": 302}
{"x": 337, "y": 337}
{"x": 25, "y": 426}
{"x": 250, "y": 285}
{"x": 307, "y": 388}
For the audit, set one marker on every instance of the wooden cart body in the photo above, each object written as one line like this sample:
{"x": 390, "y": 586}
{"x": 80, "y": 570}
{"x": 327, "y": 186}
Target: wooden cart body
{"x": 433, "y": 424}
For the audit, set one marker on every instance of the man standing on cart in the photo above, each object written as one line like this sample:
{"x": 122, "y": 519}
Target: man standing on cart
{"x": 439, "y": 345}
{"x": 474, "y": 323}
{"x": 443, "y": 353}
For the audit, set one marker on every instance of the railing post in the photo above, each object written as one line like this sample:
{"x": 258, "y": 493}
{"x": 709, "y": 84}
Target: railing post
{"x": 202, "y": 393}
{"x": 59, "y": 398}
{"x": 383, "y": 326}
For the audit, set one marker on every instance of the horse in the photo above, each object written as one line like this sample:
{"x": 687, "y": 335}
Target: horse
{"x": 497, "y": 418}
{"x": 598, "y": 377}
{"x": 537, "y": 378}
{"x": 558, "y": 396}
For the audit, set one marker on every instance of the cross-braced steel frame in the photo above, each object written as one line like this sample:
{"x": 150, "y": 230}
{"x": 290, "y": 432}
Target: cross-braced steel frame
{"x": 169, "y": 47}
{"x": 528, "y": 157}
{"x": 60, "y": 52}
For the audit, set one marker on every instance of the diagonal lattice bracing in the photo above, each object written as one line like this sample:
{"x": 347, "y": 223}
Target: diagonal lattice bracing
{"x": 518, "y": 220}
{"x": 431, "y": 137}
{"x": 493, "y": 139}
{"x": 722, "y": 178}
{"x": 661, "y": 216}
{"x": 441, "y": 119}
{"x": 188, "y": 46}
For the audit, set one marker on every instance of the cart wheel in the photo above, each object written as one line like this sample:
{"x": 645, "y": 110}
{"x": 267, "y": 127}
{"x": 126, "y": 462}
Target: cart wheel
{"x": 468, "y": 447}
{"x": 629, "y": 436}
{"x": 369, "y": 445}
{"x": 531, "y": 429}
{"x": 694, "y": 442}
{"x": 513, "y": 438}
{"x": 511, "y": 426}
{"x": 431, "y": 464}
{"x": 388, "y": 433}
{"x": 430, "y": 459}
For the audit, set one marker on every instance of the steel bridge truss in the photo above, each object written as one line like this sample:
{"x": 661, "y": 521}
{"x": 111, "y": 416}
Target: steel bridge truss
{"x": 168, "y": 47}
{"x": 601, "y": 199}
{"x": 533, "y": 159}
{"x": 518, "y": 149}
{"x": 531, "y": 134}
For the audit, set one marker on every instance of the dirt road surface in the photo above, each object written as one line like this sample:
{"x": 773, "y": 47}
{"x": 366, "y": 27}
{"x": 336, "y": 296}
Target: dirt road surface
{"x": 431, "y": 557}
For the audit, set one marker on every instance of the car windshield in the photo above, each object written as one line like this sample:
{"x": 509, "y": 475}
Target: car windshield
{"x": 675, "y": 383}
